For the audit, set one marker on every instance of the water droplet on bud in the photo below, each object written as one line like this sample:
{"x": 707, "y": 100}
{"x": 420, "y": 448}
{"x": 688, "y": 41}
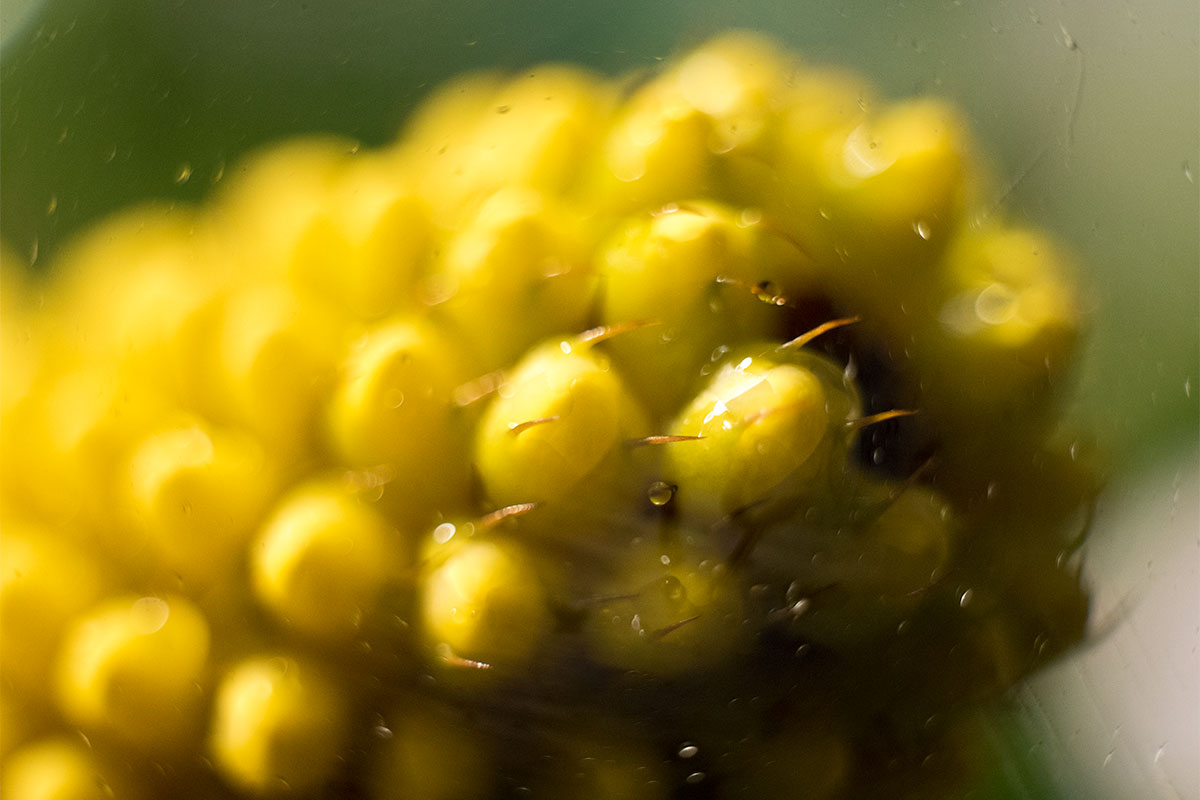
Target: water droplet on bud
{"x": 749, "y": 217}
{"x": 660, "y": 493}
{"x": 150, "y": 614}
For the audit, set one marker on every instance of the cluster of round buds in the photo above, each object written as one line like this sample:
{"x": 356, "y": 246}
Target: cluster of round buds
{"x": 689, "y": 435}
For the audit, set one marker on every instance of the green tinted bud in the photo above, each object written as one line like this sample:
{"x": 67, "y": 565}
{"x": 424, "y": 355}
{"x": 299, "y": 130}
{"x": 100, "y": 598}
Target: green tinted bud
{"x": 668, "y": 612}
{"x": 1005, "y": 331}
{"x": 854, "y": 586}
{"x": 597, "y": 764}
{"x": 770, "y": 427}
{"x": 808, "y": 758}
{"x": 432, "y": 752}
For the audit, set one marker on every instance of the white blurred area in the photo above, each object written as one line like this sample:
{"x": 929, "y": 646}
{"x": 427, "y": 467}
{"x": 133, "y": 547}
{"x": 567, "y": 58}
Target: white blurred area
{"x": 1120, "y": 719}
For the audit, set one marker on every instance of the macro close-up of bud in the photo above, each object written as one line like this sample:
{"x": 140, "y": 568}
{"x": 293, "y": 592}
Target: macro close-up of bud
{"x": 699, "y": 429}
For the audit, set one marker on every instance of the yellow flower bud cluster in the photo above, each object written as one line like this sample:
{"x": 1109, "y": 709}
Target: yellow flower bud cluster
{"x": 598, "y": 438}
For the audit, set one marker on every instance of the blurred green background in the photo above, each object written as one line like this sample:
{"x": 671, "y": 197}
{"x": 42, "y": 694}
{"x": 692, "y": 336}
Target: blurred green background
{"x": 1092, "y": 110}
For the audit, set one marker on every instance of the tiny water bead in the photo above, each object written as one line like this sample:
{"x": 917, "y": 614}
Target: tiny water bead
{"x": 150, "y": 614}
{"x": 444, "y": 532}
{"x": 646, "y": 438}
{"x": 660, "y": 493}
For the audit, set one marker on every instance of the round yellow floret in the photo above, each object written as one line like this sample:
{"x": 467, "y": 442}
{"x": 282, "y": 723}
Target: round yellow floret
{"x": 271, "y": 362}
{"x": 484, "y": 603}
{"x": 198, "y": 491}
{"x": 557, "y": 429}
{"x": 370, "y": 244}
{"x": 692, "y": 272}
{"x": 656, "y": 152}
{"x": 391, "y": 410}
{"x": 136, "y": 667}
{"x": 901, "y": 173}
{"x": 74, "y": 435}
{"x": 276, "y": 210}
{"x": 45, "y": 582}
{"x": 279, "y": 726}
{"x": 323, "y": 560}
{"x": 61, "y": 769}
{"x": 482, "y": 134}
{"x": 515, "y": 272}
